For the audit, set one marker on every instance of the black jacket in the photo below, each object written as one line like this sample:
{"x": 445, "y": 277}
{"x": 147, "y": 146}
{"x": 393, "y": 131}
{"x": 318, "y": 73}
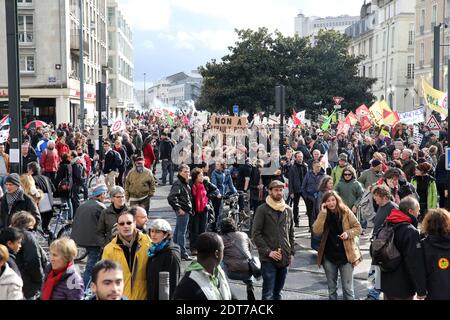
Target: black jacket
{"x": 26, "y": 160}
{"x": 180, "y": 196}
{"x": 165, "y": 149}
{"x": 31, "y": 261}
{"x": 436, "y": 252}
{"x": 13, "y": 264}
{"x": 110, "y": 162}
{"x": 168, "y": 259}
{"x": 296, "y": 175}
{"x": 409, "y": 278}
{"x": 24, "y": 203}
{"x": 64, "y": 172}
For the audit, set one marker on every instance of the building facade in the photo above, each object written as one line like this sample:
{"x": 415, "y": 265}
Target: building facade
{"x": 120, "y": 62}
{"x": 49, "y": 50}
{"x": 174, "y": 90}
{"x": 384, "y": 35}
{"x": 310, "y": 26}
{"x": 431, "y": 13}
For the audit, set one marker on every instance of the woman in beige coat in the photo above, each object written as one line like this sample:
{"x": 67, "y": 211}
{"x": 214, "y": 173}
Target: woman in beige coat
{"x": 339, "y": 251}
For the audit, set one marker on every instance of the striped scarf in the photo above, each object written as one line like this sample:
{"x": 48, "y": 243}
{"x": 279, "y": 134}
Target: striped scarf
{"x": 11, "y": 198}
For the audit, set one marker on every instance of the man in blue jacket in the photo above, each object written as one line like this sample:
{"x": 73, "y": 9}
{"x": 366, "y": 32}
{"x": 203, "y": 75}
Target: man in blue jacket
{"x": 221, "y": 178}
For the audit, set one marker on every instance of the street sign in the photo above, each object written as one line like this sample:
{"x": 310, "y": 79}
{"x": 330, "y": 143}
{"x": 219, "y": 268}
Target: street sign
{"x": 447, "y": 158}
{"x": 433, "y": 124}
{"x": 338, "y": 100}
{"x": 235, "y": 109}
{"x": 337, "y": 106}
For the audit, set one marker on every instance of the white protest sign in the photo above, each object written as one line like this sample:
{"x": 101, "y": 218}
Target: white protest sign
{"x": 412, "y": 117}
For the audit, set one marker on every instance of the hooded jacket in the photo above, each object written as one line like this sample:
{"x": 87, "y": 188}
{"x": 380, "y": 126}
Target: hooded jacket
{"x": 436, "y": 252}
{"x": 409, "y": 278}
{"x": 168, "y": 259}
{"x": 350, "y": 191}
{"x": 135, "y": 280}
{"x": 10, "y": 284}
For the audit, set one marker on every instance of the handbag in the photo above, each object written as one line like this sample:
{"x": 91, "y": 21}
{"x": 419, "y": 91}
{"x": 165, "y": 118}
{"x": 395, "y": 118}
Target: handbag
{"x": 254, "y": 264}
{"x": 64, "y": 186}
{"x": 44, "y": 204}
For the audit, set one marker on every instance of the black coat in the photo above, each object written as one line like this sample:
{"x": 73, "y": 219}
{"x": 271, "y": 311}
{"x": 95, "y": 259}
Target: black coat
{"x": 168, "y": 259}
{"x": 64, "y": 172}
{"x": 296, "y": 175}
{"x": 31, "y": 261}
{"x": 110, "y": 162}
{"x": 24, "y": 203}
{"x": 409, "y": 278}
{"x": 165, "y": 149}
{"x": 26, "y": 160}
{"x": 436, "y": 252}
{"x": 180, "y": 196}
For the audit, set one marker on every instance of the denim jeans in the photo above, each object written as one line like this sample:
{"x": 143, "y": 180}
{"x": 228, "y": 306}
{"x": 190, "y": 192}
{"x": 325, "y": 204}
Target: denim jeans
{"x": 92, "y": 258}
{"x": 218, "y": 212}
{"x": 375, "y": 283}
{"x": 67, "y": 214}
{"x": 346, "y": 272}
{"x": 273, "y": 280}
{"x": 179, "y": 234}
{"x": 167, "y": 167}
{"x": 2, "y": 182}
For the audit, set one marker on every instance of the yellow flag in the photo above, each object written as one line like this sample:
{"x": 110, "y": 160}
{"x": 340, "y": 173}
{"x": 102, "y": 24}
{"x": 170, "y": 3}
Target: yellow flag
{"x": 377, "y": 113}
{"x": 433, "y": 97}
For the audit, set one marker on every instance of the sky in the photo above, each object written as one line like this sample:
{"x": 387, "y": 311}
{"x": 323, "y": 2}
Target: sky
{"x": 170, "y": 36}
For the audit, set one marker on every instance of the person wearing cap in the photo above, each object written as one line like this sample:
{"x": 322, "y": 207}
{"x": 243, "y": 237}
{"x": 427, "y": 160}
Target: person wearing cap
{"x": 371, "y": 175}
{"x": 426, "y": 188}
{"x": 16, "y": 200}
{"x": 273, "y": 235}
{"x": 435, "y": 142}
{"x": 84, "y": 228}
{"x": 140, "y": 184}
{"x": 336, "y": 173}
{"x": 163, "y": 256}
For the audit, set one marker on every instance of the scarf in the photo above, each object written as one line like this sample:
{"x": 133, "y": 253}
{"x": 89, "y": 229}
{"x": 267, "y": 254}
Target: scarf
{"x": 277, "y": 206}
{"x": 52, "y": 280}
{"x": 200, "y": 197}
{"x": 126, "y": 243}
{"x": 11, "y": 198}
{"x": 157, "y": 247}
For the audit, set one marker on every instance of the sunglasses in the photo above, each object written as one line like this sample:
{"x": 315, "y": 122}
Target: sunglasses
{"x": 348, "y": 174}
{"x": 129, "y": 223}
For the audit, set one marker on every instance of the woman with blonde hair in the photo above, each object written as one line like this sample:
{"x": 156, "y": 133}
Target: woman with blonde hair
{"x": 10, "y": 283}
{"x": 29, "y": 187}
{"x": 339, "y": 251}
{"x": 62, "y": 281}
{"x": 436, "y": 249}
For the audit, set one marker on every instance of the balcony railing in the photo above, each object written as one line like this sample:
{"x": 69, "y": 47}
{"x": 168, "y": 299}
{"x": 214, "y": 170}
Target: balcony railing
{"x": 26, "y": 37}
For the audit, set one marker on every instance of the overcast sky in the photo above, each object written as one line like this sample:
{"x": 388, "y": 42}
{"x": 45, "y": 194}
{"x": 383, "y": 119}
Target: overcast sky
{"x": 179, "y": 35}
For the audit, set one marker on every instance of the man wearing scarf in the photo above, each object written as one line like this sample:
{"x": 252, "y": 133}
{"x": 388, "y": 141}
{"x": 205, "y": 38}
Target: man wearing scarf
{"x": 16, "y": 200}
{"x": 273, "y": 235}
{"x": 129, "y": 248}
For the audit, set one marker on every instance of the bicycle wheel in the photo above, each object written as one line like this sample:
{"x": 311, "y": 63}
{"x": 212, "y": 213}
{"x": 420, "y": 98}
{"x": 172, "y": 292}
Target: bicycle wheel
{"x": 65, "y": 233}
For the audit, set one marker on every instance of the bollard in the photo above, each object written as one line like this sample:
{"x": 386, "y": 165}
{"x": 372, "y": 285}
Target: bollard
{"x": 164, "y": 285}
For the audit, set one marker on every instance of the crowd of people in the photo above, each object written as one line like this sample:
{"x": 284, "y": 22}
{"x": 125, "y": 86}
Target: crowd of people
{"x": 348, "y": 182}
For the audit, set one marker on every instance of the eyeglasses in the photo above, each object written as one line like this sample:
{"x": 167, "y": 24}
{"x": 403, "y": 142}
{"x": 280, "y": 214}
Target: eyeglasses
{"x": 129, "y": 223}
{"x": 348, "y": 174}
{"x": 119, "y": 197}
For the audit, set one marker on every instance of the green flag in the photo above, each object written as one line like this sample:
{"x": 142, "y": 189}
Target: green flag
{"x": 327, "y": 122}
{"x": 333, "y": 117}
{"x": 169, "y": 120}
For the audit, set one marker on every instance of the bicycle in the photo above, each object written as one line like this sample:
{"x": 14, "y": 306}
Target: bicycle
{"x": 62, "y": 228}
{"x": 243, "y": 218}
{"x": 97, "y": 177}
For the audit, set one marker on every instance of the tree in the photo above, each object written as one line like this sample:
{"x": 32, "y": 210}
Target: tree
{"x": 260, "y": 60}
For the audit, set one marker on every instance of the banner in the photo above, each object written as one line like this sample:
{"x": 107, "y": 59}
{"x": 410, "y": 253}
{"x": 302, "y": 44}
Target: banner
{"x": 435, "y": 99}
{"x": 365, "y": 124}
{"x": 327, "y": 122}
{"x": 362, "y": 111}
{"x": 343, "y": 127}
{"x": 351, "y": 119}
{"x": 4, "y": 129}
{"x": 382, "y": 114}
{"x": 227, "y": 122}
{"x": 118, "y": 125}
{"x": 412, "y": 117}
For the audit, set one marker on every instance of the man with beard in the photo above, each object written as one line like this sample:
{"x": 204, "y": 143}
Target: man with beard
{"x": 140, "y": 184}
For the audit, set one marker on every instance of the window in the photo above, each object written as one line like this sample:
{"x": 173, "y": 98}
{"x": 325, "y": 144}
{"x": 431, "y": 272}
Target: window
{"x": 384, "y": 40}
{"x": 370, "y": 47}
{"x": 391, "y": 75}
{"x": 422, "y": 21}
{"x": 434, "y": 16}
{"x": 24, "y": 2}
{"x": 383, "y": 69}
{"x": 25, "y": 28}
{"x": 370, "y": 72}
{"x": 393, "y": 37}
{"x": 376, "y": 43}
{"x": 376, "y": 71}
{"x": 26, "y": 63}
{"x": 410, "y": 68}
{"x": 422, "y": 54}
{"x": 411, "y": 34}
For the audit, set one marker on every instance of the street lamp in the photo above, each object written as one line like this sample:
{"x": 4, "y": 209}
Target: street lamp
{"x": 145, "y": 90}
{"x": 387, "y": 59}
{"x": 81, "y": 66}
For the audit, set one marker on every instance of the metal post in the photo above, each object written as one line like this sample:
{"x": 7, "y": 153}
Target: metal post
{"x": 101, "y": 107}
{"x": 81, "y": 66}
{"x": 387, "y": 63}
{"x": 280, "y": 103}
{"x": 436, "y": 55}
{"x": 145, "y": 93}
{"x": 15, "y": 116}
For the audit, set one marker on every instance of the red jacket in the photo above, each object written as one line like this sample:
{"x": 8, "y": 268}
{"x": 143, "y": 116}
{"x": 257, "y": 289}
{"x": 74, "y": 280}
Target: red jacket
{"x": 87, "y": 159}
{"x": 149, "y": 156}
{"x": 50, "y": 161}
{"x": 62, "y": 148}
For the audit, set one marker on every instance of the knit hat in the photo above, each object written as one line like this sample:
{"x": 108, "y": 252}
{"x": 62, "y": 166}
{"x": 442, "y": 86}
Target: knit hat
{"x": 375, "y": 163}
{"x": 13, "y": 178}
{"x": 424, "y": 167}
{"x": 99, "y": 190}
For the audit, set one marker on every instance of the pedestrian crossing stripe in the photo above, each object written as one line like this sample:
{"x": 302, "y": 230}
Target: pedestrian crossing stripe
{"x": 443, "y": 264}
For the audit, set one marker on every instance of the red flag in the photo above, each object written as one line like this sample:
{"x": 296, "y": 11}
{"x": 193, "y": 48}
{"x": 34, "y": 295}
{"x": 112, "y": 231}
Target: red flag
{"x": 362, "y": 111}
{"x": 351, "y": 119}
{"x": 296, "y": 120}
{"x": 365, "y": 124}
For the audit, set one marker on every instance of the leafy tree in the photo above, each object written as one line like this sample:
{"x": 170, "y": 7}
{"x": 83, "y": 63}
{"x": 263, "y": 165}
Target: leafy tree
{"x": 260, "y": 60}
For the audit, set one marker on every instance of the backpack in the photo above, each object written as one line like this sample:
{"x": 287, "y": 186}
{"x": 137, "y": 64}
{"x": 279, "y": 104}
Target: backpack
{"x": 383, "y": 250}
{"x": 117, "y": 159}
{"x": 79, "y": 173}
{"x": 365, "y": 208}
